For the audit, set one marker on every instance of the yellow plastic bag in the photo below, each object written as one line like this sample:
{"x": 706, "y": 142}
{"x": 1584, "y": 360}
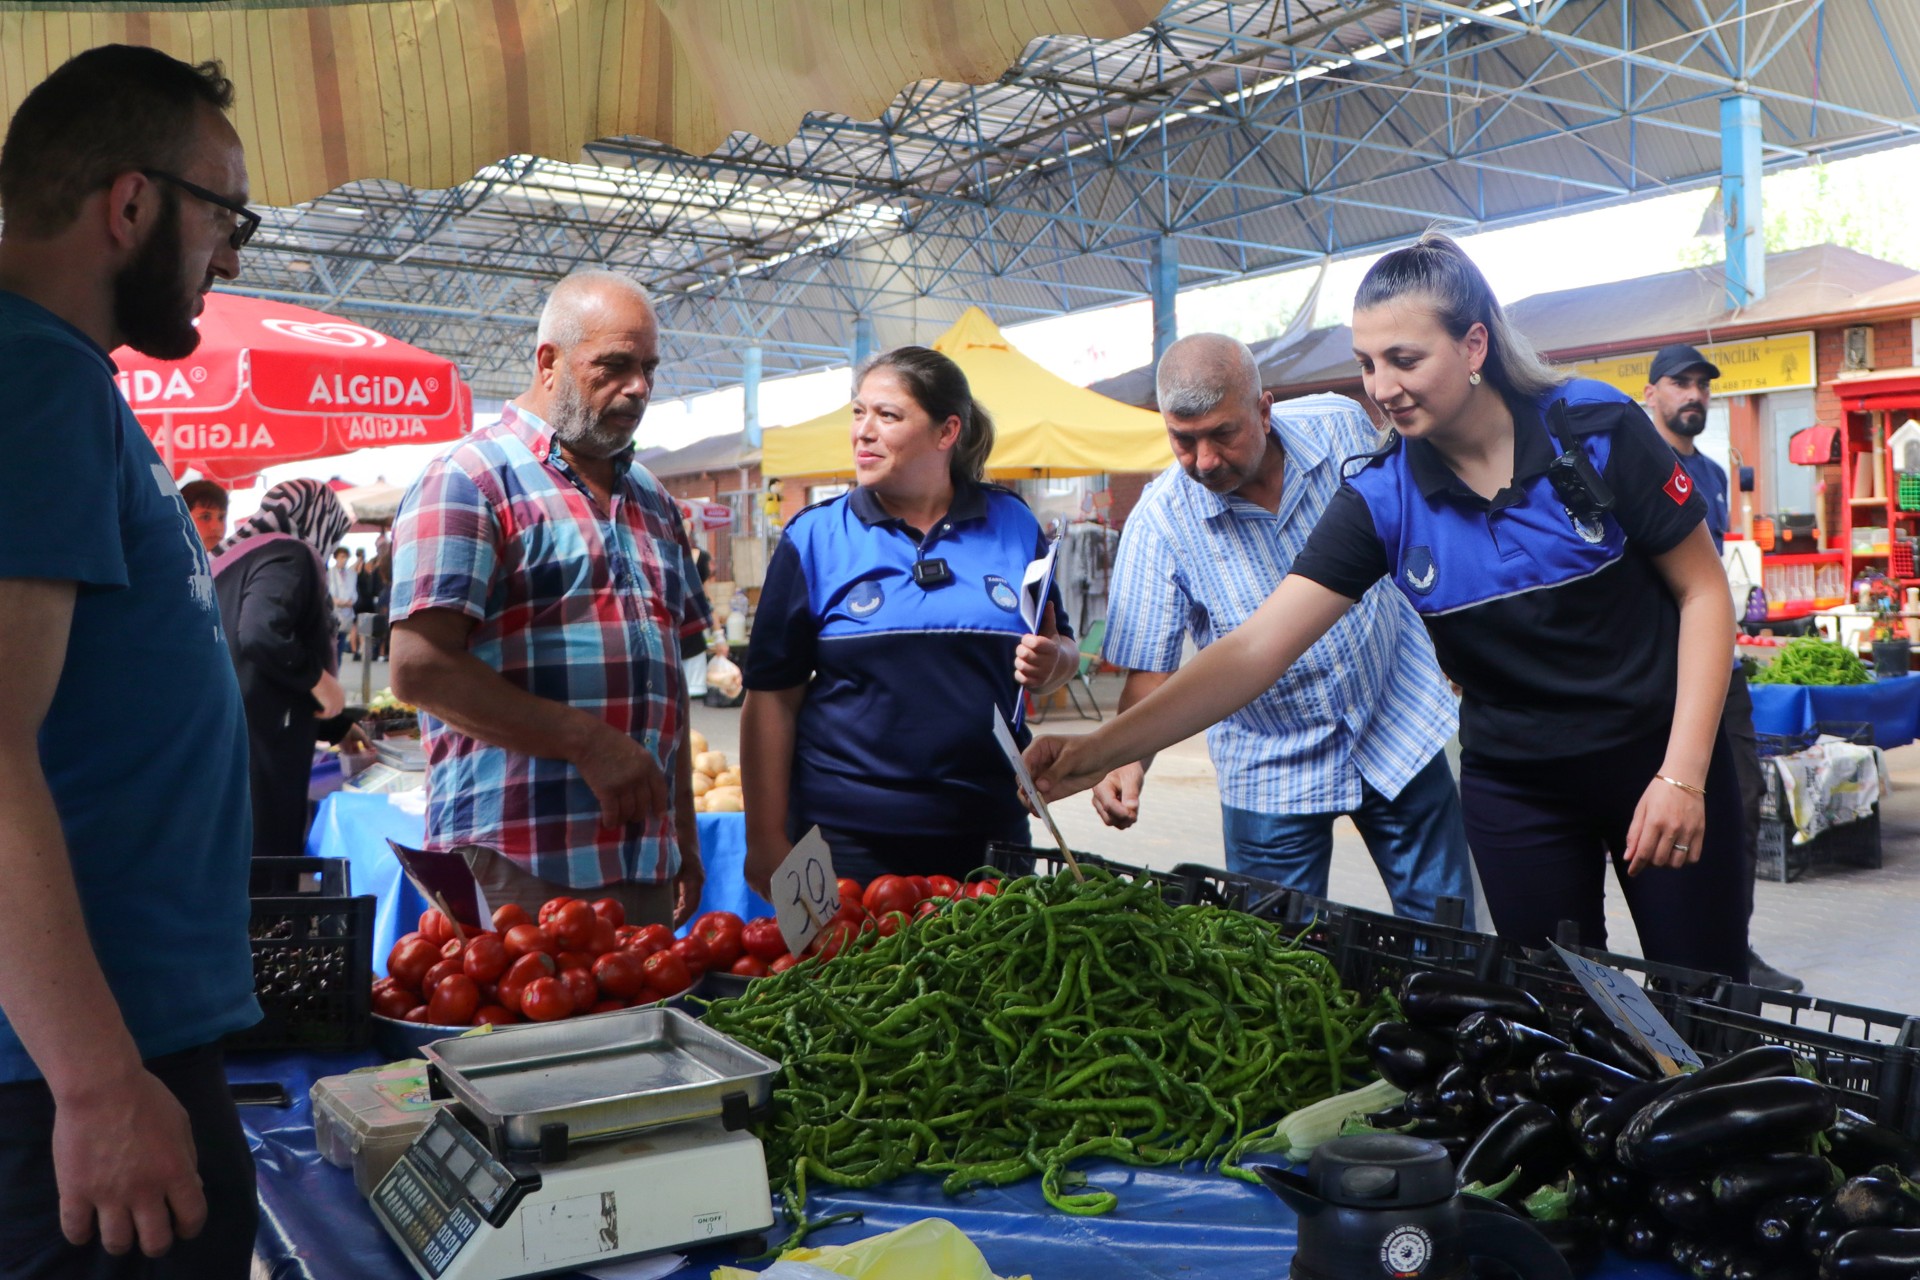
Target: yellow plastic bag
{"x": 930, "y": 1249}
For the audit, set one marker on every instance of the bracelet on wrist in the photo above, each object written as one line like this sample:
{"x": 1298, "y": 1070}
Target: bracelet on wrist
{"x": 1684, "y": 786}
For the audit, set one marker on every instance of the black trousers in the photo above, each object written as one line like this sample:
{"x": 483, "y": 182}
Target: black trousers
{"x": 1542, "y": 833}
{"x": 1736, "y": 726}
{"x": 31, "y": 1244}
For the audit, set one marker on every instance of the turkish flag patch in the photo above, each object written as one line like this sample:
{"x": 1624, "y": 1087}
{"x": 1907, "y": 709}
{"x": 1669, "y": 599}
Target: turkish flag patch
{"x": 1679, "y": 485}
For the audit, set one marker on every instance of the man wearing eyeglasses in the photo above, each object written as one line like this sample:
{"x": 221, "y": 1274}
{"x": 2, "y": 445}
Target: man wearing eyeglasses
{"x": 124, "y": 959}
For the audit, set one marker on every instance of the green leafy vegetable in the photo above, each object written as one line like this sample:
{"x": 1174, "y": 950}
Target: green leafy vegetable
{"x": 1811, "y": 660}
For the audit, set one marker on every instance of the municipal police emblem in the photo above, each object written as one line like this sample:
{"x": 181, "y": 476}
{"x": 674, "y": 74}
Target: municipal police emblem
{"x": 1001, "y": 592}
{"x": 1589, "y": 528}
{"x": 1419, "y": 571}
{"x": 865, "y": 598}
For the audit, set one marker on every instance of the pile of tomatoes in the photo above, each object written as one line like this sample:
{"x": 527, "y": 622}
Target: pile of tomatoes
{"x": 577, "y": 958}
{"x": 882, "y": 908}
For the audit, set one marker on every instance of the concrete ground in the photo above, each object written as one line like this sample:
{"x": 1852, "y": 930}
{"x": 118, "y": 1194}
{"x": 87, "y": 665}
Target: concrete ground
{"x": 1842, "y": 930}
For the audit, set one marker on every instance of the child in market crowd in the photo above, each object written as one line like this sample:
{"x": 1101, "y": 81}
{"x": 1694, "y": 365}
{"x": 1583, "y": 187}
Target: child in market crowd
{"x": 124, "y": 824}
{"x": 1558, "y": 555}
{"x": 207, "y": 504}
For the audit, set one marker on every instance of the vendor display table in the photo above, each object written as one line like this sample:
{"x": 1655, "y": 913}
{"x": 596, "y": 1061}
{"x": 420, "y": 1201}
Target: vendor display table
{"x": 1184, "y": 1224}
{"x": 1891, "y": 705}
{"x": 357, "y": 826}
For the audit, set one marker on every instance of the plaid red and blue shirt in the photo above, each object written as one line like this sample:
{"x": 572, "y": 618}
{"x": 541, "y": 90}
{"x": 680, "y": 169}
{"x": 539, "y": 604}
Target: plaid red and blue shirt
{"x": 572, "y": 604}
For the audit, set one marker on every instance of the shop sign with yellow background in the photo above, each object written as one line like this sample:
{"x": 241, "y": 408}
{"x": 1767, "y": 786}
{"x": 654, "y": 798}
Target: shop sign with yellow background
{"x": 1756, "y": 364}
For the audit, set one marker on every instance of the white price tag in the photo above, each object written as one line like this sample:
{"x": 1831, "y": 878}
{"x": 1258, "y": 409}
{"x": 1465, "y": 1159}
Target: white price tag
{"x": 1628, "y": 1008}
{"x": 805, "y": 893}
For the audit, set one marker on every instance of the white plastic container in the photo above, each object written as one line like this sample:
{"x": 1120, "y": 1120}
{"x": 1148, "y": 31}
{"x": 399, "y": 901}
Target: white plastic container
{"x": 366, "y": 1120}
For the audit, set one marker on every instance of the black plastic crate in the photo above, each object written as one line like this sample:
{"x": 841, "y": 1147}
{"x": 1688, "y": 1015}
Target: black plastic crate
{"x": 1673, "y": 990}
{"x": 1854, "y": 844}
{"x": 1030, "y": 859}
{"x": 1374, "y": 952}
{"x": 1880, "y": 1078}
{"x": 1237, "y": 892}
{"x": 312, "y": 957}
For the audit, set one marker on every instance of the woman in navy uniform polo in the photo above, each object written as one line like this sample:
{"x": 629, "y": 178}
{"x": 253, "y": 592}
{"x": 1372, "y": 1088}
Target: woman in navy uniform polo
{"x": 1558, "y": 554}
{"x": 888, "y": 630}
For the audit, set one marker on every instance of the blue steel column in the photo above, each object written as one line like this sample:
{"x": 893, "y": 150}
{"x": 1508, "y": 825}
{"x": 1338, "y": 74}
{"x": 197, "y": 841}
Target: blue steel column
{"x": 1740, "y": 200}
{"x": 862, "y": 340}
{"x": 750, "y": 387}
{"x": 1163, "y": 283}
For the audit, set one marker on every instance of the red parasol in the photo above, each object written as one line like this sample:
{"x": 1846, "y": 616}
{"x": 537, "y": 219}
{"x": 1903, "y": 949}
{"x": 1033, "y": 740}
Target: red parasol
{"x": 275, "y": 383}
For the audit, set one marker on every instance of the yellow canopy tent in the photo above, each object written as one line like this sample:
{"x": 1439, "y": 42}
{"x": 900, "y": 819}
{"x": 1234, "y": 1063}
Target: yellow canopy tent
{"x": 1043, "y": 424}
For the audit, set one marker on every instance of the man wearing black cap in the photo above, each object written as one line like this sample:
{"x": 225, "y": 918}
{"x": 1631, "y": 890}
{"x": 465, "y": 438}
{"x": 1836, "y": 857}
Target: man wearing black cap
{"x": 1679, "y": 385}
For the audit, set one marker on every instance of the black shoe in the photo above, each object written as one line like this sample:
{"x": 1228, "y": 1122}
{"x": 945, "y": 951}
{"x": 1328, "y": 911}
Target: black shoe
{"x": 1762, "y": 974}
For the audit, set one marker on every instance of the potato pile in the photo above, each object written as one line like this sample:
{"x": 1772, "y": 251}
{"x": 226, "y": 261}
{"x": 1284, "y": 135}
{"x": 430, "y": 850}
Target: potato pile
{"x": 716, "y": 784}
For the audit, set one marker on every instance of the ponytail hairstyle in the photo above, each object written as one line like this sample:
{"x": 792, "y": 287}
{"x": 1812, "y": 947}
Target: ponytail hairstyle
{"x": 1437, "y": 269}
{"x": 939, "y": 386}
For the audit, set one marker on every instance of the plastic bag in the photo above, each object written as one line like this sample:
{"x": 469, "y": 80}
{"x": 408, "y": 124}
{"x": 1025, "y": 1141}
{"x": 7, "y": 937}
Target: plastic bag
{"x": 723, "y": 674}
{"x": 930, "y": 1249}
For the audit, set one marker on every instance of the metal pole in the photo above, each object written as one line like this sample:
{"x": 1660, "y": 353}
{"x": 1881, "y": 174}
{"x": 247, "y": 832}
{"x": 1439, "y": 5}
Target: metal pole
{"x": 1163, "y": 283}
{"x": 1746, "y": 269}
{"x": 363, "y": 622}
{"x": 750, "y": 385}
{"x": 862, "y": 340}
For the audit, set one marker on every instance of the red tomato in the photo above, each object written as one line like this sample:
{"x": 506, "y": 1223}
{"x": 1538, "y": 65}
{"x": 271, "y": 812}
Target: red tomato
{"x": 928, "y": 907}
{"x": 485, "y": 958}
{"x": 889, "y": 893}
{"x": 943, "y": 887}
{"x": 546, "y": 1000}
{"x": 572, "y": 925}
{"x": 454, "y": 1001}
{"x": 508, "y": 994}
{"x": 610, "y": 910}
{"x": 639, "y": 945}
{"x": 693, "y": 953}
{"x": 658, "y": 935}
{"x": 724, "y": 934}
{"x": 604, "y": 938}
{"x": 830, "y": 941}
{"x": 508, "y": 916}
{"x": 853, "y": 916}
{"x": 849, "y": 890}
{"x": 551, "y": 907}
{"x": 574, "y": 960}
{"x": 780, "y": 964}
{"x": 749, "y": 967}
{"x": 392, "y": 1000}
{"x": 762, "y": 939}
{"x": 441, "y": 971}
{"x": 417, "y": 1014}
{"x": 535, "y": 964}
{"x": 489, "y": 993}
{"x": 666, "y": 973}
{"x": 451, "y": 949}
{"x": 621, "y": 974}
{"x": 608, "y": 1006}
{"x": 523, "y": 938}
{"x": 983, "y": 889}
{"x": 892, "y": 923}
{"x": 494, "y": 1015}
{"x": 624, "y": 932}
{"x": 435, "y": 927}
{"x": 581, "y": 986}
{"x": 410, "y": 959}
{"x": 922, "y": 887}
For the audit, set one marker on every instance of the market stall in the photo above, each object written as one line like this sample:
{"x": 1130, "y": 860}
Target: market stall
{"x": 1890, "y": 705}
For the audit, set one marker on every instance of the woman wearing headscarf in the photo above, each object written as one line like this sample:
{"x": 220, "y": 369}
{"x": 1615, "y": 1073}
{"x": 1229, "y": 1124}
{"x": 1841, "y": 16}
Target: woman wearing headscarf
{"x": 272, "y": 586}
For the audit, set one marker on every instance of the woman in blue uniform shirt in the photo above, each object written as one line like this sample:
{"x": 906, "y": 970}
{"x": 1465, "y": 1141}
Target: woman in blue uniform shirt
{"x": 888, "y": 629}
{"x": 1556, "y": 550}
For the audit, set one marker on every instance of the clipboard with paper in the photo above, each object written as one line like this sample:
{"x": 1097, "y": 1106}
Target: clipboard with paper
{"x": 1036, "y": 585}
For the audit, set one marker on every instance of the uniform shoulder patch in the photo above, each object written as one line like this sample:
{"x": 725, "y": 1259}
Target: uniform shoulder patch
{"x": 1679, "y": 485}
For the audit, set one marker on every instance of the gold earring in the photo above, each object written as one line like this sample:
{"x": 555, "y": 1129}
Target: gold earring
{"x": 1473, "y": 379}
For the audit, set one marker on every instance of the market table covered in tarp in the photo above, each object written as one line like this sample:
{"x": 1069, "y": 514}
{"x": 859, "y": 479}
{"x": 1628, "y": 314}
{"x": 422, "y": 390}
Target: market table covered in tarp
{"x": 356, "y": 826}
{"x": 1171, "y": 1224}
{"x": 1042, "y": 424}
{"x": 1891, "y": 706}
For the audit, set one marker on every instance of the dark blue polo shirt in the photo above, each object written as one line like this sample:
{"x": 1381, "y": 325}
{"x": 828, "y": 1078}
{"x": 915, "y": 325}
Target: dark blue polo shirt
{"x": 1560, "y": 632}
{"x": 896, "y": 732}
{"x": 1710, "y": 478}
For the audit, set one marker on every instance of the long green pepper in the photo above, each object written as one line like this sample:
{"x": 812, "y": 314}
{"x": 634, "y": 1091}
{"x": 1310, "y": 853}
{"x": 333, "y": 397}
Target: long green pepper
{"x": 1006, "y": 1037}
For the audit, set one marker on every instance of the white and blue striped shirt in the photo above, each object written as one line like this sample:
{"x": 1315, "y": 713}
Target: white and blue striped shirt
{"x": 1366, "y": 702}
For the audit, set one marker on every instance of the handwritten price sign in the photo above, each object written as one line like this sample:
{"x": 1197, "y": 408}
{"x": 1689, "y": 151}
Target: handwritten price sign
{"x": 1628, "y": 1008}
{"x": 805, "y": 893}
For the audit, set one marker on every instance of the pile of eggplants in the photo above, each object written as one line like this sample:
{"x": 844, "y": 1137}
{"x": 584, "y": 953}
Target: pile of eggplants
{"x": 1744, "y": 1170}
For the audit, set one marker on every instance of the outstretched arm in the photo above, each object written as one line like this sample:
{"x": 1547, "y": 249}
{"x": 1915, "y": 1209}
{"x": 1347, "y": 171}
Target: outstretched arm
{"x": 1222, "y": 678}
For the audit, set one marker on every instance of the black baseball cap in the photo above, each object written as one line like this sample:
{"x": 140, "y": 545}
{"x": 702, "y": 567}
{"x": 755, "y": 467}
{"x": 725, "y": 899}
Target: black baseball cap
{"x": 1679, "y": 358}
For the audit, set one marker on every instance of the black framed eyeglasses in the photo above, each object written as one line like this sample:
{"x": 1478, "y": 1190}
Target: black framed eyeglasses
{"x": 246, "y": 220}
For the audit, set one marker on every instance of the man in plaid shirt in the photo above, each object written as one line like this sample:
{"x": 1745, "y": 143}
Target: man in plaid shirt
{"x": 541, "y": 586}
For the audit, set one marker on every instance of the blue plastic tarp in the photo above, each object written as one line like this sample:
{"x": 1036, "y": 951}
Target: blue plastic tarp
{"x": 1891, "y": 706}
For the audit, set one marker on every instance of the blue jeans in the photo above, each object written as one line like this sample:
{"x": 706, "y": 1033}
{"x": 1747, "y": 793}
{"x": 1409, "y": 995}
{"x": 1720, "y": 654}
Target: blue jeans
{"x": 1417, "y": 839}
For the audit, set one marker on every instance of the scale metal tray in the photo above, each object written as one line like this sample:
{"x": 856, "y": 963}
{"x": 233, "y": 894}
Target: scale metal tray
{"x": 599, "y": 1077}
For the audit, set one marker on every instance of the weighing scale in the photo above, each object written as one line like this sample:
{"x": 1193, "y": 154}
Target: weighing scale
{"x": 574, "y": 1144}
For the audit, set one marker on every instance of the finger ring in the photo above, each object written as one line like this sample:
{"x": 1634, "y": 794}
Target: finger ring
{"x": 1679, "y": 848}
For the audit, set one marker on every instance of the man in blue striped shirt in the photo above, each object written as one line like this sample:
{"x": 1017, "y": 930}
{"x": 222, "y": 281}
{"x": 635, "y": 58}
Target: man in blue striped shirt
{"x": 1359, "y": 725}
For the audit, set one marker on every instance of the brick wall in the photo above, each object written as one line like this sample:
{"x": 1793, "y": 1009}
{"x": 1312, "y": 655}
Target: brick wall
{"x": 1126, "y": 487}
